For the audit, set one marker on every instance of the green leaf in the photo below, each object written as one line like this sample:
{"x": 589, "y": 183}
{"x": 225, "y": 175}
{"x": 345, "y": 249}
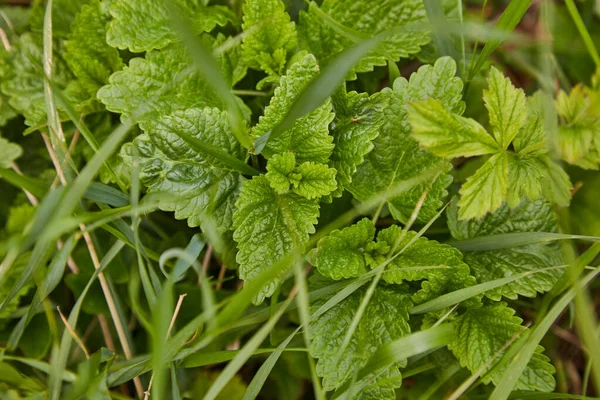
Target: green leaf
{"x": 506, "y": 106}
{"x": 271, "y": 36}
{"x": 87, "y": 54}
{"x": 341, "y": 254}
{"x": 525, "y": 177}
{"x": 308, "y": 137}
{"x": 438, "y": 266}
{"x": 204, "y": 186}
{"x": 385, "y": 320}
{"x": 143, "y": 25}
{"x": 268, "y": 226}
{"x": 486, "y": 189}
{"x": 446, "y": 134}
{"x": 159, "y": 84}
{"x": 317, "y": 180}
{"x": 64, "y": 13}
{"x": 8, "y": 153}
{"x": 358, "y": 119}
{"x": 309, "y": 180}
{"x": 396, "y": 156}
{"x": 557, "y": 187}
{"x": 10, "y": 281}
{"x": 529, "y": 216}
{"x": 481, "y": 334}
{"x": 23, "y": 81}
{"x": 338, "y": 25}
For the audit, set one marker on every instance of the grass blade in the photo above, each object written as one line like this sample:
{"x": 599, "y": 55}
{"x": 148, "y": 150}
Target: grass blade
{"x": 508, "y": 240}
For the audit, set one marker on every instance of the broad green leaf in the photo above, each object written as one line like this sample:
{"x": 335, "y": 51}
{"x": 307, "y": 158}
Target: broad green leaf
{"x": 506, "y": 106}
{"x": 308, "y": 137}
{"x": 486, "y": 189}
{"x": 341, "y": 254}
{"x": 8, "y": 153}
{"x": 87, "y": 54}
{"x": 23, "y": 80}
{"x": 481, "y": 334}
{"x": 268, "y": 226}
{"x": 309, "y": 179}
{"x": 529, "y": 216}
{"x": 159, "y": 84}
{"x": 438, "y": 266}
{"x": 557, "y": 185}
{"x": 525, "y": 178}
{"x": 271, "y": 36}
{"x": 358, "y": 119}
{"x": 446, "y": 134}
{"x": 64, "y": 13}
{"x": 531, "y": 139}
{"x": 338, "y": 25}
{"x": 385, "y": 320}
{"x": 143, "y": 25}
{"x": 203, "y": 186}
{"x": 11, "y": 279}
{"x": 396, "y": 156}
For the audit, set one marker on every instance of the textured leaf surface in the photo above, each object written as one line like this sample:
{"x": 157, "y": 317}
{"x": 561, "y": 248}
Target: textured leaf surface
{"x": 8, "y": 152}
{"x": 385, "y": 319}
{"x": 396, "y": 156}
{"x": 486, "y": 189}
{"x": 203, "y": 185}
{"x": 506, "y": 106}
{"x": 338, "y": 25}
{"x": 358, "y": 119}
{"x": 271, "y": 35}
{"x": 482, "y": 332}
{"x": 341, "y": 254}
{"x": 142, "y": 25}
{"x": 529, "y": 216}
{"x": 159, "y": 84}
{"x": 88, "y": 55}
{"x": 439, "y": 266}
{"x": 63, "y": 15}
{"x": 446, "y": 134}
{"x": 308, "y": 138}
{"x": 268, "y": 226}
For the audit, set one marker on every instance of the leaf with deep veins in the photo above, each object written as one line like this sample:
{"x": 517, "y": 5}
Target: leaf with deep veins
{"x": 143, "y": 25}
{"x": 268, "y": 226}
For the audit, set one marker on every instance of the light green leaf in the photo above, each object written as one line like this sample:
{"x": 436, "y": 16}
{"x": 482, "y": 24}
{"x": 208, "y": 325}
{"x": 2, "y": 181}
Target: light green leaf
{"x": 309, "y": 179}
{"x": 486, "y": 189}
{"x": 358, "y": 119}
{"x": 574, "y": 143}
{"x": 280, "y": 172}
{"x": 446, "y": 134}
{"x": 143, "y": 25}
{"x": 268, "y": 226}
{"x": 88, "y": 55}
{"x": 23, "y": 81}
{"x": 384, "y": 320}
{"x": 8, "y": 152}
{"x": 159, "y": 84}
{"x": 531, "y": 139}
{"x": 529, "y": 216}
{"x": 338, "y": 25}
{"x": 12, "y": 278}
{"x": 439, "y": 266}
{"x": 482, "y": 332}
{"x": 341, "y": 254}
{"x": 557, "y": 186}
{"x": 204, "y": 187}
{"x": 506, "y": 106}
{"x": 271, "y": 37}
{"x": 396, "y": 156}
{"x": 63, "y": 15}
{"x": 308, "y": 138}
{"x": 525, "y": 178}
{"x": 317, "y": 180}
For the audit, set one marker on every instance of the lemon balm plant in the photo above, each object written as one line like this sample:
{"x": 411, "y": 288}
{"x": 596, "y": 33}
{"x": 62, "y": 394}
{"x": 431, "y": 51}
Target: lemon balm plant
{"x": 332, "y": 199}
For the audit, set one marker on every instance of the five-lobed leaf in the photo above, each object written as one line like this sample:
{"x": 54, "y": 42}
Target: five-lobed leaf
{"x": 481, "y": 335}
